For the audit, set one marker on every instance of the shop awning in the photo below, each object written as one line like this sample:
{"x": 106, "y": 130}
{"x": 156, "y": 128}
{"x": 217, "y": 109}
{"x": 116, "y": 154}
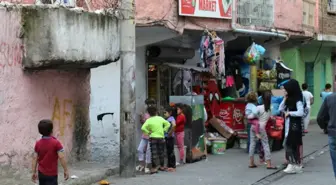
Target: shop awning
{"x": 187, "y": 67}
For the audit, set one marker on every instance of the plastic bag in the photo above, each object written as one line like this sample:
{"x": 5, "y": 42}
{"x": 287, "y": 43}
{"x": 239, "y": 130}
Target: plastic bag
{"x": 253, "y": 53}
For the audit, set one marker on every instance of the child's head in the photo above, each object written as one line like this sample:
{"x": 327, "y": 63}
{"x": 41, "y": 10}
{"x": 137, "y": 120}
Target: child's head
{"x": 252, "y": 97}
{"x": 179, "y": 108}
{"x": 150, "y": 102}
{"x": 45, "y": 127}
{"x": 328, "y": 87}
{"x": 152, "y": 111}
{"x": 169, "y": 111}
{"x": 304, "y": 86}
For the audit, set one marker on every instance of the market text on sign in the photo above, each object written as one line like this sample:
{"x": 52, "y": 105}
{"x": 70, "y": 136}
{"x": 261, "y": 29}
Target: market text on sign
{"x": 207, "y": 5}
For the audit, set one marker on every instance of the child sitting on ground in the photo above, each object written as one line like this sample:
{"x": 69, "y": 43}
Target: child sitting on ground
{"x": 251, "y": 112}
{"x": 155, "y": 127}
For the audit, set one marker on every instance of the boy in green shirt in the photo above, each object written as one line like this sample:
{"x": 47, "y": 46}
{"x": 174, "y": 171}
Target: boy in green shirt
{"x": 155, "y": 127}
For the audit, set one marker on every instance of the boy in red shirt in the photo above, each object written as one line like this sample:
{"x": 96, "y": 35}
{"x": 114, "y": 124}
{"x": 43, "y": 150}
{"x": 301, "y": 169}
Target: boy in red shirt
{"x": 47, "y": 152}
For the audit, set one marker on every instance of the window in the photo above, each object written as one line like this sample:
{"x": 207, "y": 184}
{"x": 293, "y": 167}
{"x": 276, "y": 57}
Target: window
{"x": 331, "y": 6}
{"x": 309, "y": 13}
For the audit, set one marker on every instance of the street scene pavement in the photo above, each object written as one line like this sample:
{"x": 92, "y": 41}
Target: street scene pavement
{"x": 232, "y": 168}
{"x": 318, "y": 171}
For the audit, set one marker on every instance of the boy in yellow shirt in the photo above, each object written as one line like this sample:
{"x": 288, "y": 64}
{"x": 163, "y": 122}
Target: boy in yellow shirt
{"x": 155, "y": 127}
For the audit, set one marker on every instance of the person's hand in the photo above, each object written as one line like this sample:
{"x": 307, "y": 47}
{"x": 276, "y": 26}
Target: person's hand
{"x": 258, "y": 136}
{"x": 66, "y": 175}
{"x": 286, "y": 114}
{"x": 34, "y": 177}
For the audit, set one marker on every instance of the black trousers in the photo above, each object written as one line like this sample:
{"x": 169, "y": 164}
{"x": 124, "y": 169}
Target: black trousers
{"x": 47, "y": 180}
{"x": 170, "y": 152}
{"x": 157, "y": 150}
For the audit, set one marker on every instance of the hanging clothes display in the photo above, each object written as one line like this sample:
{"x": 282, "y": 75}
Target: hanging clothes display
{"x": 212, "y": 54}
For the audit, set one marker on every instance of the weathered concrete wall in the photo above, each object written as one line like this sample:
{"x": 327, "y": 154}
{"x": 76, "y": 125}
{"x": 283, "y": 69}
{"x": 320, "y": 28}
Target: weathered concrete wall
{"x": 141, "y": 87}
{"x": 56, "y": 37}
{"x": 28, "y": 97}
{"x": 105, "y": 98}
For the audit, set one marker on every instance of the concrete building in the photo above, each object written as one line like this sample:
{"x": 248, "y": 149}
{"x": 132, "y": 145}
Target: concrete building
{"x": 283, "y": 27}
{"x": 313, "y": 60}
{"x": 46, "y": 53}
{"x": 47, "y": 64}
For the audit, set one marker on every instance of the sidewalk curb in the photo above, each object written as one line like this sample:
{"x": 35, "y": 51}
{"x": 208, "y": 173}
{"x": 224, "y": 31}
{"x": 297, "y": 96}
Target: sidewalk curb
{"x": 94, "y": 177}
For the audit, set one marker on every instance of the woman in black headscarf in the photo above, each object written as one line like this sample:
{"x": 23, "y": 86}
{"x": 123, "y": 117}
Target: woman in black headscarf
{"x": 292, "y": 107}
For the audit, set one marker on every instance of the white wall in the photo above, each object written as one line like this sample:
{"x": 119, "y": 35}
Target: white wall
{"x": 105, "y": 97}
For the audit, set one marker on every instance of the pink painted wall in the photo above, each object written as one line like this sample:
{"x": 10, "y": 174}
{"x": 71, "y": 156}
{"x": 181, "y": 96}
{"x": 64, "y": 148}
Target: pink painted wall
{"x": 27, "y": 97}
{"x": 166, "y": 12}
{"x": 288, "y": 14}
{"x": 20, "y": 1}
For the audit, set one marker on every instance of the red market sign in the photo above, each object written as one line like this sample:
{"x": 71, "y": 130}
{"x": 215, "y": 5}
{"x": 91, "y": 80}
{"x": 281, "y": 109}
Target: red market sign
{"x": 221, "y": 9}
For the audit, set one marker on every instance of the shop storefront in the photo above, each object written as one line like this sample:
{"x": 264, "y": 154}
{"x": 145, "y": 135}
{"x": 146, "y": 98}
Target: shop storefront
{"x": 214, "y": 88}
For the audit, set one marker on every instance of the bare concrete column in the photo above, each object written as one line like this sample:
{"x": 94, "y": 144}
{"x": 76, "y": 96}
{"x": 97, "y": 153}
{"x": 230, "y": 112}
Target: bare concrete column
{"x": 127, "y": 85}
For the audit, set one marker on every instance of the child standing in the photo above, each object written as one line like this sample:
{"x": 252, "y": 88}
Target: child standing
{"x": 47, "y": 152}
{"x": 144, "y": 153}
{"x": 251, "y": 112}
{"x": 169, "y": 112}
{"x": 155, "y": 127}
{"x": 179, "y": 132}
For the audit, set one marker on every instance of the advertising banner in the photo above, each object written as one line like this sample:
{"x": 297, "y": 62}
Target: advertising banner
{"x": 221, "y": 9}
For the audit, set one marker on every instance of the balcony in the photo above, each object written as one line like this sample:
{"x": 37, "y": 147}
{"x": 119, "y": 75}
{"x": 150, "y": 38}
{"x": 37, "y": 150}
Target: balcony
{"x": 56, "y": 37}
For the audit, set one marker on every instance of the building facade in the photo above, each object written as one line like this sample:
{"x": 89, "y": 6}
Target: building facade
{"x": 46, "y": 53}
{"x": 181, "y": 24}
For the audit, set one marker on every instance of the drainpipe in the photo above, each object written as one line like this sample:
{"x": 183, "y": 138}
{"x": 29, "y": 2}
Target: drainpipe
{"x": 253, "y": 32}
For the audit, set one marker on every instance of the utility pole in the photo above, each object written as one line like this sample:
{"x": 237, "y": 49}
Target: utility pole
{"x": 127, "y": 92}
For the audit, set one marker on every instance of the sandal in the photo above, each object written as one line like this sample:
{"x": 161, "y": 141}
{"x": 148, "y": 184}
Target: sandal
{"x": 171, "y": 170}
{"x": 272, "y": 168}
{"x": 153, "y": 172}
{"x": 253, "y": 166}
{"x": 163, "y": 169}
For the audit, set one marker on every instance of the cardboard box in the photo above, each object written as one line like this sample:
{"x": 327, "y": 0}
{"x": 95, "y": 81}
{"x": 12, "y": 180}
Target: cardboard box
{"x": 221, "y": 127}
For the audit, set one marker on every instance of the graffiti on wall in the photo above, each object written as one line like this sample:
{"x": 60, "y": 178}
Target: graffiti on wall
{"x": 255, "y": 13}
{"x": 63, "y": 114}
{"x": 10, "y": 55}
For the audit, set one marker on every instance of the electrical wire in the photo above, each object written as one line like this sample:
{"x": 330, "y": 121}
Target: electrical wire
{"x": 322, "y": 31}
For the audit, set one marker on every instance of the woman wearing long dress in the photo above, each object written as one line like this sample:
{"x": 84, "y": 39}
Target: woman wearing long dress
{"x": 293, "y": 109}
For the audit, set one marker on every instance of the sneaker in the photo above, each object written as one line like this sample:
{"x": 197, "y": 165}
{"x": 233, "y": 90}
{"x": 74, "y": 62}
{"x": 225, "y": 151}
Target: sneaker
{"x": 290, "y": 169}
{"x": 139, "y": 168}
{"x": 147, "y": 171}
{"x": 298, "y": 169}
